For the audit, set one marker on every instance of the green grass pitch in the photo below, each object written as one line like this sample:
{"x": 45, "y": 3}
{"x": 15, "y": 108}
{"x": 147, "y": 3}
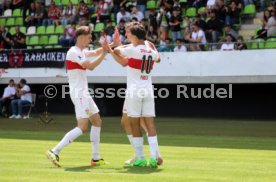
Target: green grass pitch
{"x": 193, "y": 150}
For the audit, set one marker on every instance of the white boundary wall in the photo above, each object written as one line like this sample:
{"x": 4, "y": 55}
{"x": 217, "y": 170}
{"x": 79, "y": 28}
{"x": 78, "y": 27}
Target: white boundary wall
{"x": 250, "y": 66}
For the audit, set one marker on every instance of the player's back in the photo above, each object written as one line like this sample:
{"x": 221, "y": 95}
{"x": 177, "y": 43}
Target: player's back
{"x": 140, "y": 63}
{"x": 76, "y": 73}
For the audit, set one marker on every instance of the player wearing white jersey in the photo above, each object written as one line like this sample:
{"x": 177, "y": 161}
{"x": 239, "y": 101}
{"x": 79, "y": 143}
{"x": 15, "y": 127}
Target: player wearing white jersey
{"x": 140, "y": 99}
{"x": 85, "y": 108}
{"x": 125, "y": 120}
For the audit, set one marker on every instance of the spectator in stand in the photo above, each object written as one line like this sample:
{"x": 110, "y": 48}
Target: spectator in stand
{"x": 213, "y": 28}
{"x": 30, "y": 20}
{"x": 25, "y": 98}
{"x": 122, "y": 31}
{"x": 69, "y": 36}
{"x": 19, "y": 39}
{"x": 233, "y": 14}
{"x": 145, "y": 23}
{"x": 228, "y": 45}
{"x": 240, "y": 45}
{"x": 1, "y": 43}
{"x": 103, "y": 35}
{"x": 6, "y": 37}
{"x": 211, "y": 4}
{"x": 109, "y": 28}
{"x": 162, "y": 47}
{"x": 229, "y": 30}
{"x": 17, "y": 4}
{"x": 7, "y": 97}
{"x": 163, "y": 33}
{"x": 123, "y": 15}
{"x": 179, "y": 47}
{"x": 102, "y": 11}
{"x": 136, "y": 13}
{"x": 175, "y": 23}
{"x": 187, "y": 34}
{"x": 141, "y": 5}
{"x": 40, "y": 13}
{"x": 53, "y": 15}
{"x": 82, "y": 11}
{"x": 247, "y": 2}
{"x": 68, "y": 14}
{"x": 271, "y": 25}
{"x": 153, "y": 19}
{"x": 220, "y": 10}
{"x": 163, "y": 16}
{"x": 198, "y": 3}
{"x": 176, "y": 4}
{"x": 263, "y": 32}
{"x": 152, "y": 35}
{"x": 200, "y": 22}
{"x": 167, "y": 4}
{"x": 197, "y": 39}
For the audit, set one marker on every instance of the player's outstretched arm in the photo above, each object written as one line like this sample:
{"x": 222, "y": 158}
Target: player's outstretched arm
{"x": 97, "y": 52}
{"x": 93, "y": 64}
{"x": 118, "y": 57}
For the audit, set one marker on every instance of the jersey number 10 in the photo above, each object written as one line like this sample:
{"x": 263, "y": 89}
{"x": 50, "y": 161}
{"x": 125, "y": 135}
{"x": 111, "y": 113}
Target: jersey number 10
{"x": 146, "y": 64}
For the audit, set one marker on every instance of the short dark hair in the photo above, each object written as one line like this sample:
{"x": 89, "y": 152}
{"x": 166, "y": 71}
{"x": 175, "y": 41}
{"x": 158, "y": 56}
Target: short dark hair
{"x": 139, "y": 31}
{"x": 83, "y": 30}
{"x": 23, "y": 81}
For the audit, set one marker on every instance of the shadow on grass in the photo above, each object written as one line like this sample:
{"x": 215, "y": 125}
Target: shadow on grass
{"x": 109, "y": 169}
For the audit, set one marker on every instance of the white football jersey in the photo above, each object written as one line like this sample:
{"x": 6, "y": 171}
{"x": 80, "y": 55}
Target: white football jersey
{"x": 140, "y": 63}
{"x": 76, "y": 73}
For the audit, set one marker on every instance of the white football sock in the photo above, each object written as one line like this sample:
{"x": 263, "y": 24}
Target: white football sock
{"x": 130, "y": 138}
{"x": 138, "y": 145}
{"x": 95, "y": 141}
{"x": 67, "y": 139}
{"x": 154, "y": 150}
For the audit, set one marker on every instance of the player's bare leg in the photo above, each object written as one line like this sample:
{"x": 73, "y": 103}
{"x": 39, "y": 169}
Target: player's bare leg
{"x": 138, "y": 142}
{"x": 153, "y": 142}
{"x": 96, "y": 124}
{"x": 53, "y": 155}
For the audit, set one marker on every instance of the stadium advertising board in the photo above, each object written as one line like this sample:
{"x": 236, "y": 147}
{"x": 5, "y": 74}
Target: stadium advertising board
{"x": 52, "y": 58}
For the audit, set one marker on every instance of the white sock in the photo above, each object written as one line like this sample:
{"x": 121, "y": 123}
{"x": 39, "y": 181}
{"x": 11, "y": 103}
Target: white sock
{"x": 154, "y": 150}
{"x": 138, "y": 145}
{"x": 95, "y": 141}
{"x": 67, "y": 139}
{"x": 130, "y": 138}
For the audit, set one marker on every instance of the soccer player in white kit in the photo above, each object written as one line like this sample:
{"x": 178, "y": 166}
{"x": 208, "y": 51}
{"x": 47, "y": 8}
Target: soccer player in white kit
{"x": 125, "y": 121}
{"x": 140, "y": 98}
{"x": 85, "y": 108}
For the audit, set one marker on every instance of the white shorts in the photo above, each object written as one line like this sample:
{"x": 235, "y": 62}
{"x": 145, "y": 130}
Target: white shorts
{"x": 84, "y": 107}
{"x": 137, "y": 106}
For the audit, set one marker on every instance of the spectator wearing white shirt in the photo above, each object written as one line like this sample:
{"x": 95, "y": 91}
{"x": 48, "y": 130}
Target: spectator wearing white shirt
{"x": 103, "y": 35}
{"x": 228, "y": 45}
{"x": 179, "y": 47}
{"x": 136, "y": 13}
{"x": 198, "y": 38}
{"x": 8, "y": 95}
{"x": 123, "y": 15}
{"x": 25, "y": 99}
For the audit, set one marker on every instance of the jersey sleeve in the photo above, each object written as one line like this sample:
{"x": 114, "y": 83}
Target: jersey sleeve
{"x": 126, "y": 51}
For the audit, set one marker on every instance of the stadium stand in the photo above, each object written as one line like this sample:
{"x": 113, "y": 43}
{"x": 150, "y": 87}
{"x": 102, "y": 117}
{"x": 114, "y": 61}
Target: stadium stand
{"x": 45, "y": 23}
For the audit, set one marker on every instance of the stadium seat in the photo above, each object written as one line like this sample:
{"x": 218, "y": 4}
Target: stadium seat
{"x": 31, "y": 30}
{"x": 270, "y": 43}
{"x": 57, "y": 46}
{"x": 57, "y": 2}
{"x": 258, "y": 44}
{"x": 43, "y": 40}
{"x": 201, "y": 10}
{"x": 12, "y": 30}
{"x": 2, "y": 21}
{"x": 50, "y": 29}
{"x": 99, "y": 27}
{"x": 64, "y": 2}
{"x": 151, "y": 4}
{"x": 183, "y": 1}
{"x": 33, "y": 40}
{"x": 23, "y": 30}
{"x": 10, "y": 22}
{"x": 16, "y": 12}
{"x": 75, "y": 2}
{"x": 59, "y": 29}
{"x": 19, "y": 21}
{"x": 37, "y": 47}
{"x": 191, "y": 12}
{"x": 29, "y": 47}
{"x": 249, "y": 9}
{"x": 53, "y": 39}
{"x": 8, "y": 12}
{"x": 41, "y": 30}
